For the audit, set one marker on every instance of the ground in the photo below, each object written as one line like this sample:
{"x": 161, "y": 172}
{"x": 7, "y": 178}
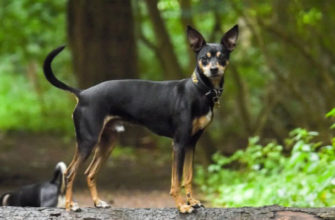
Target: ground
{"x": 245, "y": 213}
{"x": 127, "y": 181}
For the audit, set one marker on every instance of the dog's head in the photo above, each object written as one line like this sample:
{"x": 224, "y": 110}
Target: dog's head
{"x": 212, "y": 58}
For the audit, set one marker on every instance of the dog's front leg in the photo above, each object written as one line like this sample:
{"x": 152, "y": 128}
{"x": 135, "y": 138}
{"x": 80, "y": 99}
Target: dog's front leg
{"x": 188, "y": 176}
{"x": 177, "y": 170}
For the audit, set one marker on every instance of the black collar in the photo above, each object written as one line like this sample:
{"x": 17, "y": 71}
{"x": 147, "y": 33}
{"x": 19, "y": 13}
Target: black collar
{"x": 207, "y": 88}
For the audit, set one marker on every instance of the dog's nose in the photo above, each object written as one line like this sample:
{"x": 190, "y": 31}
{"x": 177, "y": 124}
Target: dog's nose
{"x": 214, "y": 70}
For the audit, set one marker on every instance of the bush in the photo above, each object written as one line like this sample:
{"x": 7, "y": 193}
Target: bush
{"x": 264, "y": 175}
{"x": 24, "y": 109}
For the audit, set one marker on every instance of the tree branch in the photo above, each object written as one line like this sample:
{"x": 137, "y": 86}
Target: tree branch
{"x": 187, "y": 19}
{"x": 242, "y": 99}
{"x": 171, "y": 65}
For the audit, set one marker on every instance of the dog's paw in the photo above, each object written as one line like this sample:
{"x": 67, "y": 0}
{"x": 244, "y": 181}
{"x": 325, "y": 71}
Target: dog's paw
{"x": 102, "y": 204}
{"x": 198, "y": 205}
{"x": 195, "y": 203}
{"x": 185, "y": 209}
{"x": 75, "y": 207}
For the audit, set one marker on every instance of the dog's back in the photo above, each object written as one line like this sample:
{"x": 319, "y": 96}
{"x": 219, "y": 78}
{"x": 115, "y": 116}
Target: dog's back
{"x": 47, "y": 194}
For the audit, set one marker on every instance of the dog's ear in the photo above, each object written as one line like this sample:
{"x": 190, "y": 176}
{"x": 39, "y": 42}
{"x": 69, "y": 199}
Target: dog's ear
{"x": 195, "y": 38}
{"x": 229, "y": 38}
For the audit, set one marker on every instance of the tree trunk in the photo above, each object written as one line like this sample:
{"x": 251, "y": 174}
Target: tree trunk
{"x": 101, "y": 36}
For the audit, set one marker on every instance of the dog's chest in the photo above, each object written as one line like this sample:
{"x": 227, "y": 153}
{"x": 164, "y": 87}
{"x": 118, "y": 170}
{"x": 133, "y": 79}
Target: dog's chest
{"x": 201, "y": 122}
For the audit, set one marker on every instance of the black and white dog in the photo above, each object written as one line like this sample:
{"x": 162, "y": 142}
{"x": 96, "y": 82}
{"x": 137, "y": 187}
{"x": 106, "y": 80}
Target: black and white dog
{"x": 46, "y": 194}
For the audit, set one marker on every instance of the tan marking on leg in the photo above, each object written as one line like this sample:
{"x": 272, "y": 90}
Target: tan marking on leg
{"x": 106, "y": 120}
{"x": 91, "y": 175}
{"x": 71, "y": 173}
{"x": 103, "y": 150}
{"x": 175, "y": 189}
{"x": 188, "y": 171}
{"x": 90, "y": 172}
{"x": 188, "y": 176}
{"x": 73, "y": 159}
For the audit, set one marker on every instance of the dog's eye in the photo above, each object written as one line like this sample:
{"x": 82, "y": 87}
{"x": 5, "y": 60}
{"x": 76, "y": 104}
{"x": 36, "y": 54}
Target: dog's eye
{"x": 204, "y": 60}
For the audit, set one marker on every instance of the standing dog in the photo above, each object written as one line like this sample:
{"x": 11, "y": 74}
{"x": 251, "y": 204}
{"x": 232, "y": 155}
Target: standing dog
{"x": 47, "y": 194}
{"x": 179, "y": 109}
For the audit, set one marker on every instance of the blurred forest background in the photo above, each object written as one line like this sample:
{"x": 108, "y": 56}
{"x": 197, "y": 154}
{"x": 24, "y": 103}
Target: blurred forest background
{"x": 281, "y": 77}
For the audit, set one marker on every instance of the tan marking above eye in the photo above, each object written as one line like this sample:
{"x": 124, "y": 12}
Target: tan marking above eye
{"x": 209, "y": 54}
{"x": 218, "y": 53}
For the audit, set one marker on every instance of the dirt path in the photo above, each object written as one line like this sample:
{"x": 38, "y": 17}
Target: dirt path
{"x": 129, "y": 198}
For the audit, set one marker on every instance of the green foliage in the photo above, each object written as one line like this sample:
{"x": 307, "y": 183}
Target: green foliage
{"x": 310, "y": 17}
{"x": 331, "y": 114}
{"x": 28, "y": 26}
{"x": 23, "y": 109}
{"x": 29, "y": 30}
{"x": 265, "y": 175}
{"x": 275, "y": 72}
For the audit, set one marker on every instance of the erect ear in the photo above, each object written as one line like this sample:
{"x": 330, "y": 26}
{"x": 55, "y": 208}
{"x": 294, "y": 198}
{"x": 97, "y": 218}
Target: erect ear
{"x": 195, "y": 39}
{"x": 229, "y": 38}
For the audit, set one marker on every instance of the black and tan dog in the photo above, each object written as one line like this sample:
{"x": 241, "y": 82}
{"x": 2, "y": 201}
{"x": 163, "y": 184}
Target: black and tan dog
{"x": 179, "y": 109}
{"x": 46, "y": 194}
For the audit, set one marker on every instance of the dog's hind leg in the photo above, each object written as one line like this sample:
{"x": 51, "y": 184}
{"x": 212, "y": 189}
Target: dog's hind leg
{"x": 70, "y": 176}
{"x": 103, "y": 150}
{"x": 87, "y": 131}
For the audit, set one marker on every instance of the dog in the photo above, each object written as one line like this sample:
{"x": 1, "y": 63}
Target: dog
{"x": 179, "y": 109}
{"x": 46, "y": 194}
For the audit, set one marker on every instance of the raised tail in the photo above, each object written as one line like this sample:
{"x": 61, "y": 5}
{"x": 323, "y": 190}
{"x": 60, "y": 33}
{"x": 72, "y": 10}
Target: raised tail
{"x": 51, "y": 77}
{"x": 59, "y": 177}
{"x": 4, "y": 199}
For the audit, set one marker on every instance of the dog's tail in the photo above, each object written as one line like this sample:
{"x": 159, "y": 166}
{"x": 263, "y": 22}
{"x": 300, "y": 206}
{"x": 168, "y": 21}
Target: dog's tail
{"x": 4, "y": 199}
{"x": 59, "y": 177}
{"x": 50, "y": 75}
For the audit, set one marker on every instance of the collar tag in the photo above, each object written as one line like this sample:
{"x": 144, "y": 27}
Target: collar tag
{"x": 214, "y": 95}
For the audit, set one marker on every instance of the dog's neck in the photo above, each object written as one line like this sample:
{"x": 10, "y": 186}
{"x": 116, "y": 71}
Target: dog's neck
{"x": 212, "y": 89}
